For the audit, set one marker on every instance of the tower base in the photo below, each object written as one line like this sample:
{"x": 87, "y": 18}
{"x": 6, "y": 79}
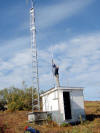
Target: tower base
{"x": 37, "y": 117}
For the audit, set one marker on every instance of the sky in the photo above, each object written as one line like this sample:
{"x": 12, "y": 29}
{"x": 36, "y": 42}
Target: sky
{"x": 68, "y": 30}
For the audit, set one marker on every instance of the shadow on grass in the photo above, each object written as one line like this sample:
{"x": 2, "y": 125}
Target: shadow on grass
{"x": 91, "y": 117}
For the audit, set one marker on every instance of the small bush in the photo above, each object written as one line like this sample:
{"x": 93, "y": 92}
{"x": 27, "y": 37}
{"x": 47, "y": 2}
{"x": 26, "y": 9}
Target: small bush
{"x": 64, "y": 124}
{"x": 12, "y": 106}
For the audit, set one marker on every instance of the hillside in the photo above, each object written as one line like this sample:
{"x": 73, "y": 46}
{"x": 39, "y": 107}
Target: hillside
{"x": 16, "y": 121}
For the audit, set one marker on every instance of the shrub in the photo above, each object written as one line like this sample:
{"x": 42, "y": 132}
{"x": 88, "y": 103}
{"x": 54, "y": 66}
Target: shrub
{"x": 17, "y": 99}
{"x": 65, "y": 124}
{"x": 12, "y": 106}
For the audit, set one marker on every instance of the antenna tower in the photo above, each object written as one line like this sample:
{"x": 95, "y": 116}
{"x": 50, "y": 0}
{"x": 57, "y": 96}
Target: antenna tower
{"x": 35, "y": 78}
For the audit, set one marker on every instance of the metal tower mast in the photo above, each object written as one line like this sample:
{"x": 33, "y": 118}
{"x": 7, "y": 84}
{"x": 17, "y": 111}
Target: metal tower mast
{"x": 35, "y": 78}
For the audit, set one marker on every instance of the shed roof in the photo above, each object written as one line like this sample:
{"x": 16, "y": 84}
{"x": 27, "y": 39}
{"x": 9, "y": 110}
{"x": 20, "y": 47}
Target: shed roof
{"x": 61, "y": 88}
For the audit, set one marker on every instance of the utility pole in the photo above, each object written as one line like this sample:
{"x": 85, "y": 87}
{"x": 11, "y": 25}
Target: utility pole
{"x": 55, "y": 70}
{"x": 35, "y": 77}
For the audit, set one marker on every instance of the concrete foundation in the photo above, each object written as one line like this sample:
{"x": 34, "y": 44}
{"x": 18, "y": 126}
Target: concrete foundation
{"x": 37, "y": 117}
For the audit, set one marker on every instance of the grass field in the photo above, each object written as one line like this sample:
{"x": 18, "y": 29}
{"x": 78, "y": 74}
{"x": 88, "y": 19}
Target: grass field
{"x": 16, "y": 121}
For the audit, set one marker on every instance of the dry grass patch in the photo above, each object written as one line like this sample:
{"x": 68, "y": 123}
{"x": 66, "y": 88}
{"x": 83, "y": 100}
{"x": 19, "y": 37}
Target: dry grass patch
{"x": 14, "y": 122}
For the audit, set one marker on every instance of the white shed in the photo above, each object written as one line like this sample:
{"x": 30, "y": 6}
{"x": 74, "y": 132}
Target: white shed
{"x": 66, "y": 104}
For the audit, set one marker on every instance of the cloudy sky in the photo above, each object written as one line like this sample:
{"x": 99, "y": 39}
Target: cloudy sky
{"x": 68, "y": 30}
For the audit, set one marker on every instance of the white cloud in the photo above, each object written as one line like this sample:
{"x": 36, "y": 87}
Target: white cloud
{"x": 11, "y": 47}
{"x": 16, "y": 69}
{"x": 78, "y": 60}
{"x": 58, "y": 47}
{"x": 53, "y": 14}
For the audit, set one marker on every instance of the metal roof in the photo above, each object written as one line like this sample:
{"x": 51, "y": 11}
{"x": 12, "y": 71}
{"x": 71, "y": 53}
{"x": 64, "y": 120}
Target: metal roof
{"x": 61, "y": 88}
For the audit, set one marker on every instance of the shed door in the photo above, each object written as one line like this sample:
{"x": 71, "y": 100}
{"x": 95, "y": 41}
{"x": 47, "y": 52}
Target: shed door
{"x": 67, "y": 106}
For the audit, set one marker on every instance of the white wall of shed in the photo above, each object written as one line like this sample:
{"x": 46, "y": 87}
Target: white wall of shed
{"x": 50, "y": 102}
{"x": 61, "y": 104}
{"x": 77, "y": 104}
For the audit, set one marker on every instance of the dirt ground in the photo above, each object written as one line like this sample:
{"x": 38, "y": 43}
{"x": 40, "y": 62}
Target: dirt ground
{"x": 14, "y": 122}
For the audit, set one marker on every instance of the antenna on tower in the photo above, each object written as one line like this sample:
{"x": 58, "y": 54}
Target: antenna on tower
{"x": 33, "y": 2}
{"x": 35, "y": 77}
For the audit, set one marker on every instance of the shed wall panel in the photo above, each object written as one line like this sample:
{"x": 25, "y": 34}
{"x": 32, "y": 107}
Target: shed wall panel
{"x": 77, "y": 104}
{"x": 50, "y": 102}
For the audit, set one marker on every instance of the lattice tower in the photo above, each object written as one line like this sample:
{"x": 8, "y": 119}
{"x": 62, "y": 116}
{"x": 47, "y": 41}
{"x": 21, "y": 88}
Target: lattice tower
{"x": 35, "y": 77}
